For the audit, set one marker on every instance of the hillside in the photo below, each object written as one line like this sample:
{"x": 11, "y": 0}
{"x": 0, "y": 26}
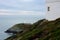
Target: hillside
{"x": 41, "y": 30}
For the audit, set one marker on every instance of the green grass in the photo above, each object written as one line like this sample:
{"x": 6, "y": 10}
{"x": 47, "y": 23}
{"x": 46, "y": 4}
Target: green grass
{"x": 49, "y": 30}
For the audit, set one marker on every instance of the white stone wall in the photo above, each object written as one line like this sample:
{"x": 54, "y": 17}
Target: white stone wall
{"x": 54, "y": 10}
{"x": 49, "y": 1}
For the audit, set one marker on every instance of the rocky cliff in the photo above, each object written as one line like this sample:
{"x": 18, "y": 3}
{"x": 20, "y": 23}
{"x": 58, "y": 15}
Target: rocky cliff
{"x": 40, "y": 30}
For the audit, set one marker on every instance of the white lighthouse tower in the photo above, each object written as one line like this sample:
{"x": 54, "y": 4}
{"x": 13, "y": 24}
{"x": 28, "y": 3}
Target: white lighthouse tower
{"x": 53, "y": 9}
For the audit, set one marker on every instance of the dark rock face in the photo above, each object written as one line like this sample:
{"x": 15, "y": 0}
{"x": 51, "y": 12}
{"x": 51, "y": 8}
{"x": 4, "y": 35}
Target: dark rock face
{"x": 8, "y": 31}
{"x": 14, "y": 32}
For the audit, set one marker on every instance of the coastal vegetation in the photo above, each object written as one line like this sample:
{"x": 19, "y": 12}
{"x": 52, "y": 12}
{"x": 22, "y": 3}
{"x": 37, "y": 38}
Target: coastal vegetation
{"x": 40, "y": 30}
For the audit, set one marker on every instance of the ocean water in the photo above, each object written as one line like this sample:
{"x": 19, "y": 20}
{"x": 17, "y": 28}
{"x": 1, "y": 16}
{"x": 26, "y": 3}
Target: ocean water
{"x": 8, "y": 21}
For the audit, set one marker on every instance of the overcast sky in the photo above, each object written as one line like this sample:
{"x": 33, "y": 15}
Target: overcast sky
{"x": 22, "y": 7}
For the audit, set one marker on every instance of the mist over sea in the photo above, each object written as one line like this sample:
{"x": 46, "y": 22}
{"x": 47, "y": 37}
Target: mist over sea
{"x": 8, "y": 21}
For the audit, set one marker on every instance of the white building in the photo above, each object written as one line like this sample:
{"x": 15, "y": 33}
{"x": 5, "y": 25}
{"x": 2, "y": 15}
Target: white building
{"x": 53, "y": 9}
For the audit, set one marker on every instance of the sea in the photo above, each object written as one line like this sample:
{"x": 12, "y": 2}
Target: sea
{"x": 7, "y": 21}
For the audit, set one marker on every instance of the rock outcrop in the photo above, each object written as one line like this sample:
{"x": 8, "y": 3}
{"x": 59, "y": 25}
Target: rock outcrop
{"x": 41, "y": 30}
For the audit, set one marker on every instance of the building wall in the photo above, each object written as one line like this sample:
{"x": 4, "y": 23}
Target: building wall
{"x": 49, "y": 1}
{"x": 54, "y": 10}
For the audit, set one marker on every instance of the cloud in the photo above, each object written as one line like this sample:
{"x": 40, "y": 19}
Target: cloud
{"x": 26, "y": 0}
{"x": 19, "y": 12}
{"x": 21, "y": 7}
{"x": 31, "y": 5}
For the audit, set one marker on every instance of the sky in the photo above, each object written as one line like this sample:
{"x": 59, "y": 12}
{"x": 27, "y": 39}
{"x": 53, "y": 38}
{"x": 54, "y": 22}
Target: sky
{"x": 22, "y": 7}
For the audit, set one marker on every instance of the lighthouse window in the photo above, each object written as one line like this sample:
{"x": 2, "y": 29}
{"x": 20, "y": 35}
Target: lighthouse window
{"x": 48, "y": 8}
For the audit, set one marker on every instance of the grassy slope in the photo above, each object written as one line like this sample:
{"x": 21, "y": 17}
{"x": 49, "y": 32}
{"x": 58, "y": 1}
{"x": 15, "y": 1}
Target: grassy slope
{"x": 42, "y": 30}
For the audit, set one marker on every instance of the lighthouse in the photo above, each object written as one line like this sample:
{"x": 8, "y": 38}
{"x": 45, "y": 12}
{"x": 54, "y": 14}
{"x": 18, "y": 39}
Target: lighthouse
{"x": 52, "y": 9}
